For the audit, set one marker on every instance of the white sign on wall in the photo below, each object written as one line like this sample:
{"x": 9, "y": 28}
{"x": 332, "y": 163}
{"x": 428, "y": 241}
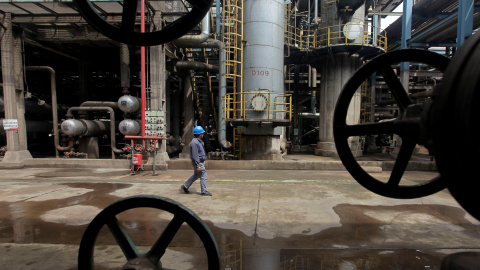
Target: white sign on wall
{"x": 10, "y": 124}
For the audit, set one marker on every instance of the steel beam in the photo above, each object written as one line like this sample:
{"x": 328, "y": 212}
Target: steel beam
{"x": 465, "y": 20}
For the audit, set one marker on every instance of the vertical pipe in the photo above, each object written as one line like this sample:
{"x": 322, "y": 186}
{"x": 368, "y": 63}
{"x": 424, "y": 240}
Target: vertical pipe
{"x": 217, "y": 18}
{"x": 142, "y": 56}
{"x": 124, "y": 68}
{"x": 316, "y": 12}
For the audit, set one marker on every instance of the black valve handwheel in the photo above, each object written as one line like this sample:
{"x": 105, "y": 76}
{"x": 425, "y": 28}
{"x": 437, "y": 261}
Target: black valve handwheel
{"x": 455, "y": 123}
{"x": 409, "y": 129}
{"x": 181, "y": 215}
{"x": 126, "y": 33}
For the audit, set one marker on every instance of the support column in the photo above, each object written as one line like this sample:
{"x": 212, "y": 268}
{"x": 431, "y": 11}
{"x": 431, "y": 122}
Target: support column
{"x": 14, "y": 103}
{"x": 465, "y": 21}
{"x": 188, "y": 120}
{"x": 336, "y": 71}
{"x": 158, "y": 96}
{"x": 406, "y": 35}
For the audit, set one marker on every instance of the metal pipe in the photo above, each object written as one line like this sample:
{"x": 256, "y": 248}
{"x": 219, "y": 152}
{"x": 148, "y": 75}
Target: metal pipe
{"x": 142, "y": 68}
{"x": 111, "y": 104}
{"x": 124, "y": 68}
{"x": 316, "y": 13}
{"x": 222, "y": 85}
{"x": 53, "y": 87}
{"x": 112, "y": 124}
{"x": 195, "y": 65}
{"x": 203, "y": 36}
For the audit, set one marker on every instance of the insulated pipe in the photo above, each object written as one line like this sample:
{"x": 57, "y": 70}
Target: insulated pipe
{"x": 112, "y": 124}
{"x": 316, "y": 13}
{"x": 195, "y": 65}
{"x": 53, "y": 87}
{"x": 222, "y": 85}
{"x": 124, "y": 68}
{"x": 111, "y": 104}
{"x": 196, "y": 38}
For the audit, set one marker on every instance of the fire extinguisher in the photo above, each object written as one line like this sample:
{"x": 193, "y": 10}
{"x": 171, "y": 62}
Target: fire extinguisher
{"x": 137, "y": 161}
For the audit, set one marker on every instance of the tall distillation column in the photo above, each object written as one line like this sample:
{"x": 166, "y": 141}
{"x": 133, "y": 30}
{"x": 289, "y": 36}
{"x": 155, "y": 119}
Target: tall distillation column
{"x": 262, "y": 76}
{"x": 337, "y": 68}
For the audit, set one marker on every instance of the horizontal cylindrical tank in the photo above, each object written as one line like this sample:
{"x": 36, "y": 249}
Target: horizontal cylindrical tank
{"x": 129, "y": 104}
{"x": 129, "y": 127}
{"x": 74, "y": 127}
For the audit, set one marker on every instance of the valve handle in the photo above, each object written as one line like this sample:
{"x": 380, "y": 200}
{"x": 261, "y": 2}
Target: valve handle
{"x": 409, "y": 129}
{"x": 126, "y": 33}
{"x": 181, "y": 215}
{"x": 455, "y": 117}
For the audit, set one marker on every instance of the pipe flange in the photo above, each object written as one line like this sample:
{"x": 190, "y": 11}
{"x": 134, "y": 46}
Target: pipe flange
{"x": 259, "y": 102}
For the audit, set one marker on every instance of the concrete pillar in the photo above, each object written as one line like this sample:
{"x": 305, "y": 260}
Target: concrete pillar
{"x": 20, "y": 91}
{"x": 261, "y": 147}
{"x": 158, "y": 97}
{"x": 16, "y": 139}
{"x": 158, "y": 94}
{"x": 261, "y": 258}
{"x": 188, "y": 122}
{"x": 336, "y": 71}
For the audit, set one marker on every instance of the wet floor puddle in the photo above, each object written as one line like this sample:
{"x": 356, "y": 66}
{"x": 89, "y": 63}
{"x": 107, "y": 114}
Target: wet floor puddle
{"x": 370, "y": 237}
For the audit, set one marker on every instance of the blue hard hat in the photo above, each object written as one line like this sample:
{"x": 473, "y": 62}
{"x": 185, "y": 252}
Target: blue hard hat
{"x": 198, "y": 130}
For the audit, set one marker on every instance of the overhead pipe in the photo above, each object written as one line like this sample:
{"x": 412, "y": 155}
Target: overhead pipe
{"x": 203, "y": 36}
{"x": 222, "y": 83}
{"x": 53, "y": 87}
{"x": 112, "y": 124}
{"x": 195, "y": 65}
{"x": 203, "y": 41}
{"x": 111, "y": 104}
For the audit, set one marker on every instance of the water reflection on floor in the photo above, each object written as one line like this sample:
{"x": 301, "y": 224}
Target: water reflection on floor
{"x": 359, "y": 242}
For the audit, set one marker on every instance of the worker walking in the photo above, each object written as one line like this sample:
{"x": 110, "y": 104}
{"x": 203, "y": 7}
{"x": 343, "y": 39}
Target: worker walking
{"x": 198, "y": 157}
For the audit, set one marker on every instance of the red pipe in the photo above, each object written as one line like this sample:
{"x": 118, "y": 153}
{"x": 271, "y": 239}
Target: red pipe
{"x": 142, "y": 56}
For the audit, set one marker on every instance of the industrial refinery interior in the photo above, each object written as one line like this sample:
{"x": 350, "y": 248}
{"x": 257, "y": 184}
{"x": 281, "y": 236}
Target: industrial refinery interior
{"x": 340, "y": 134}
{"x": 262, "y": 77}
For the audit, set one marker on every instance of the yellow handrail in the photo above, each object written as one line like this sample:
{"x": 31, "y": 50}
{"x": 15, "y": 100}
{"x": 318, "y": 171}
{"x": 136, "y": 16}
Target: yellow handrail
{"x": 273, "y": 106}
{"x": 335, "y": 35}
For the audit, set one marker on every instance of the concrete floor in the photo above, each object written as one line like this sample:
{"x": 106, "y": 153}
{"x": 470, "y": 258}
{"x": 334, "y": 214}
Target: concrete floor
{"x": 261, "y": 219}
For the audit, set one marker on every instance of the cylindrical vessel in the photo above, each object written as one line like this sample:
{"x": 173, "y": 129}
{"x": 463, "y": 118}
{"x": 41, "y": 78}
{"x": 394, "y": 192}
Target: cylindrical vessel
{"x": 129, "y": 127}
{"x": 72, "y": 127}
{"x": 263, "y": 55}
{"x": 129, "y": 104}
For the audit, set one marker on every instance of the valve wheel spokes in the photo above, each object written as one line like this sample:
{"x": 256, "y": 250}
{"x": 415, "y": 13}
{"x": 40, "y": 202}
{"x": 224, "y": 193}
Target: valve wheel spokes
{"x": 126, "y": 33}
{"x": 407, "y": 129}
{"x": 181, "y": 215}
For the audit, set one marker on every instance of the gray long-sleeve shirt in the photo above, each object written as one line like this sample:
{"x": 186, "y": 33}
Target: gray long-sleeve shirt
{"x": 197, "y": 152}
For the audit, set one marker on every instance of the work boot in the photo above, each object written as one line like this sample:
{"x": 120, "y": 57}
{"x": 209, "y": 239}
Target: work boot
{"x": 184, "y": 189}
{"x": 206, "y": 193}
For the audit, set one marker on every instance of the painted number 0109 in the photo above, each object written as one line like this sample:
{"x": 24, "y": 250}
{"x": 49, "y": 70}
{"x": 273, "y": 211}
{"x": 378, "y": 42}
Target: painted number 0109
{"x": 260, "y": 73}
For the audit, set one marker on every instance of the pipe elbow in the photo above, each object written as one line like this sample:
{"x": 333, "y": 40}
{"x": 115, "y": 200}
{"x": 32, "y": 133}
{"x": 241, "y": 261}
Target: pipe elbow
{"x": 226, "y": 144}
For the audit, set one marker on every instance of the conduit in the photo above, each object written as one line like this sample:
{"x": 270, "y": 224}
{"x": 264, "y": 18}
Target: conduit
{"x": 222, "y": 83}
{"x": 202, "y": 41}
{"x": 195, "y": 65}
{"x": 203, "y": 36}
{"x": 53, "y": 87}
{"x": 112, "y": 124}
